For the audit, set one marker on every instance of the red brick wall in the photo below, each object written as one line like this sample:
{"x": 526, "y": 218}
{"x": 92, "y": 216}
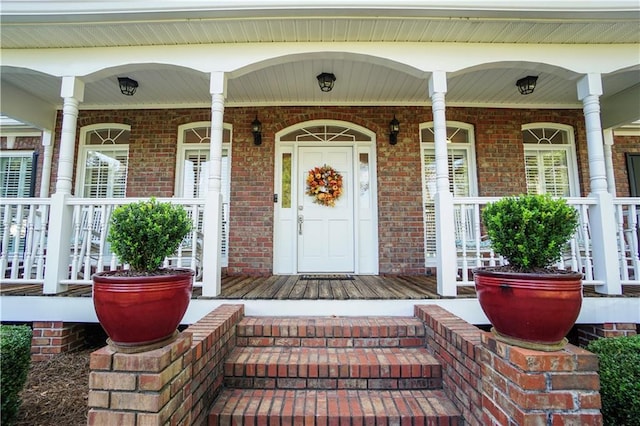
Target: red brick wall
{"x": 589, "y": 332}
{"x": 55, "y": 337}
{"x": 498, "y": 150}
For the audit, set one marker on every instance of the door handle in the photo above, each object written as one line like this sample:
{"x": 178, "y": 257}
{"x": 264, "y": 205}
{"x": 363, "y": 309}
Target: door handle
{"x": 300, "y": 222}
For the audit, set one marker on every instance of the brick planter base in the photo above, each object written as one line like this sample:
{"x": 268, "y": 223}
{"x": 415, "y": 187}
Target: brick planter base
{"x": 494, "y": 383}
{"x": 172, "y": 385}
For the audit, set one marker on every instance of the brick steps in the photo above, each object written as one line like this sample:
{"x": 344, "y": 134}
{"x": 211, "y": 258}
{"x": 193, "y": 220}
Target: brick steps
{"x": 332, "y": 368}
{"x": 324, "y": 407}
{"x": 321, "y": 371}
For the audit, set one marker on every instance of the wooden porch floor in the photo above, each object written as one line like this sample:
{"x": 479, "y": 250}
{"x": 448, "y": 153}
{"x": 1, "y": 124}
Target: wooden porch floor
{"x": 298, "y": 287}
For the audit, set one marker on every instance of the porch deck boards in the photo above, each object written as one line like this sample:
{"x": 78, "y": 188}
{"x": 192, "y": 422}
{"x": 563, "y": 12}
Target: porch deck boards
{"x": 360, "y": 287}
{"x": 292, "y": 287}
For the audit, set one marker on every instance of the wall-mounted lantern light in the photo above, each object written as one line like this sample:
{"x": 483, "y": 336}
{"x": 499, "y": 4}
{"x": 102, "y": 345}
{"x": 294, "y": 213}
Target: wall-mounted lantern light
{"x": 394, "y": 129}
{"x": 256, "y": 129}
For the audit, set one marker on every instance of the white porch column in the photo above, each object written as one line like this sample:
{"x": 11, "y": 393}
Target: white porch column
{"x": 212, "y": 223}
{"x": 47, "y": 145}
{"x": 60, "y": 216}
{"x": 608, "y": 161}
{"x": 445, "y": 230}
{"x": 603, "y": 227}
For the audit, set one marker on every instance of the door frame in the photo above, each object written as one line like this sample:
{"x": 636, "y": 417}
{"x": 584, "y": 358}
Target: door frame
{"x": 365, "y": 214}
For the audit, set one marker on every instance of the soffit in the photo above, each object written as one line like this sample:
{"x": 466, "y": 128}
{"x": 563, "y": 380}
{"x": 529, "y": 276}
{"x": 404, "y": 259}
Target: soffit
{"x": 16, "y": 35}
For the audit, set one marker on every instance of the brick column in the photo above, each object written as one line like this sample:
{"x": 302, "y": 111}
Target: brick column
{"x": 55, "y": 337}
{"x": 527, "y": 387}
{"x": 144, "y": 388}
{"x": 494, "y": 383}
{"x": 175, "y": 384}
{"x": 589, "y": 332}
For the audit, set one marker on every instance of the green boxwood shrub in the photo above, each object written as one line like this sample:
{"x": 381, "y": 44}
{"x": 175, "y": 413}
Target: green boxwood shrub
{"x": 142, "y": 234}
{"x": 619, "y": 379}
{"x": 531, "y": 231}
{"x": 15, "y": 357}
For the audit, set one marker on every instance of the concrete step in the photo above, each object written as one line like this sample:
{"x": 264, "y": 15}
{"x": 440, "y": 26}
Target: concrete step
{"x": 331, "y": 331}
{"x": 327, "y": 407}
{"x": 332, "y": 368}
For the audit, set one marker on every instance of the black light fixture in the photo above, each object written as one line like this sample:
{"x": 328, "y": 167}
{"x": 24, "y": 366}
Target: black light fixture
{"x": 527, "y": 84}
{"x": 394, "y": 129}
{"x": 256, "y": 129}
{"x": 128, "y": 85}
{"x": 325, "y": 81}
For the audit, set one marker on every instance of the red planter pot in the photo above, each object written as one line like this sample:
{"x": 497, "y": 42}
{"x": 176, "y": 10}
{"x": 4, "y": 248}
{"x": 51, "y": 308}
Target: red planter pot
{"x": 141, "y": 311}
{"x": 535, "y": 311}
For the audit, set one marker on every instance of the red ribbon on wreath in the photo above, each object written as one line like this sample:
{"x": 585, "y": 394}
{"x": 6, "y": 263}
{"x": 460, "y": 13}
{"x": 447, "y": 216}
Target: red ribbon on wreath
{"x": 324, "y": 184}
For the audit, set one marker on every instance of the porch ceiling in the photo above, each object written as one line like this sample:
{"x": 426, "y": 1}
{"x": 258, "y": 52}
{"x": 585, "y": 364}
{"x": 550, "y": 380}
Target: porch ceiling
{"x": 67, "y": 24}
{"x": 358, "y": 83}
{"x": 358, "y": 28}
{"x": 61, "y": 24}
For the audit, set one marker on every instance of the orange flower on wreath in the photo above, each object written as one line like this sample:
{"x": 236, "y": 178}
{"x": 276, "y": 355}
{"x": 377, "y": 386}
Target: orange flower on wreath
{"x": 324, "y": 184}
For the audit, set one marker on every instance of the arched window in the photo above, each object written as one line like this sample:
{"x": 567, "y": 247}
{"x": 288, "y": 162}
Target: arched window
{"x": 104, "y": 161}
{"x": 550, "y": 161}
{"x": 192, "y": 169}
{"x": 462, "y": 173}
{"x": 192, "y": 166}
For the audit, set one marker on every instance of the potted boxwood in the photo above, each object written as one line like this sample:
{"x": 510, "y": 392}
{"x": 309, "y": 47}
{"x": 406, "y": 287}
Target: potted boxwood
{"x": 529, "y": 302}
{"x": 141, "y": 307}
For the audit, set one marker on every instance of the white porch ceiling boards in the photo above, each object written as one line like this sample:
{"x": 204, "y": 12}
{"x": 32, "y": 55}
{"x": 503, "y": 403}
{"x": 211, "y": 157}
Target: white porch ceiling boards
{"x": 62, "y": 24}
{"x": 318, "y": 29}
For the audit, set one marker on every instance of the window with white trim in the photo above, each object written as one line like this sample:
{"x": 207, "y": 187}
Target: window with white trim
{"x": 462, "y": 174}
{"x": 16, "y": 175}
{"x": 17, "y": 180}
{"x": 192, "y": 169}
{"x": 104, "y": 161}
{"x": 549, "y": 156}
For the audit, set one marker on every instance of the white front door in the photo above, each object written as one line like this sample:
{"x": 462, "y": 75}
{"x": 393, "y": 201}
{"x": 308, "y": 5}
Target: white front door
{"x": 325, "y": 233}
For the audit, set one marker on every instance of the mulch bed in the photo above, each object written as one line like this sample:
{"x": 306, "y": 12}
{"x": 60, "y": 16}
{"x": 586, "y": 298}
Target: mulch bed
{"x": 56, "y": 391}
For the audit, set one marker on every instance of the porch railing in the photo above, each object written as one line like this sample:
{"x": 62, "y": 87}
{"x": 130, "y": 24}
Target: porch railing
{"x": 24, "y": 225}
{"x": 24, "y": 229}
{"x": 473, "y": 248}
{"x": 91, "y": 252}
{"x": 626, "y": 216}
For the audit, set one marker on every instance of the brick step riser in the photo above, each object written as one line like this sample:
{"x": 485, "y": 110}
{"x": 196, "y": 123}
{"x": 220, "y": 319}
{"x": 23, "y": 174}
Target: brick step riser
{"x": 331, "y": 368}
{"x": 331, "y": 342}
{"x": 331, "y": 332}
{"x": 327, "y": 383}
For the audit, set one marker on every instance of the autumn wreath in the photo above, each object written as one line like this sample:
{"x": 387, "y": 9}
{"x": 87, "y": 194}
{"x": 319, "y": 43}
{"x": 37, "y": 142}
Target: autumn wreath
{"x": 324, "y": 184}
